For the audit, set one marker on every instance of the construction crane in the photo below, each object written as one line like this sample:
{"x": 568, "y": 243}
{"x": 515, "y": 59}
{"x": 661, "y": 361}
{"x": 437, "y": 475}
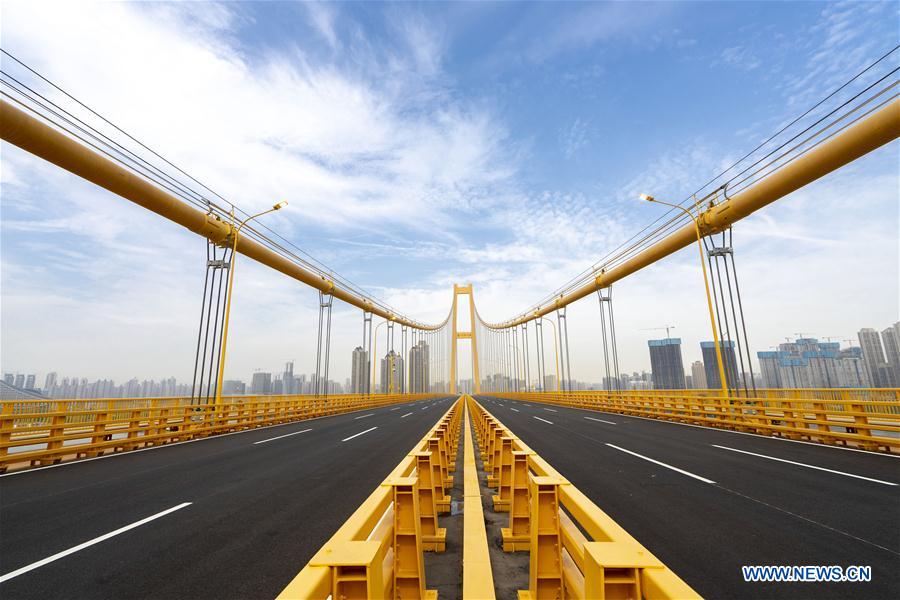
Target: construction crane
{"x": 666, "y": 327}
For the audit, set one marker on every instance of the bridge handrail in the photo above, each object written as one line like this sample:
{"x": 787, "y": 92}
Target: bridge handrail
{"x": 87, "y": 428}
{"x": 591, "y": 547}
{"x": 866, "y": 424}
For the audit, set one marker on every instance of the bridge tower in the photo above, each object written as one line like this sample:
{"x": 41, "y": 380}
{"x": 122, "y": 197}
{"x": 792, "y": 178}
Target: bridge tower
{"x": 464, "y": 290}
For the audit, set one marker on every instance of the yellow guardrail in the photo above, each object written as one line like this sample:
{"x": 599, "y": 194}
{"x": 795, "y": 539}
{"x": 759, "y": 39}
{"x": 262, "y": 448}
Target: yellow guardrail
{"x": 477, "y": 576}
{"x": 34, "y": 432}
{"x": 377, "y": 552}
{"x": 576, "y": 550}
{"x": 842, "y": 417}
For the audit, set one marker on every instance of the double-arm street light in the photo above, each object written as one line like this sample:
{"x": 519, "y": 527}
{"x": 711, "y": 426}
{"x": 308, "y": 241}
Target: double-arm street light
{"x": 709, "y": 303}
{"x": 234, "y": 240}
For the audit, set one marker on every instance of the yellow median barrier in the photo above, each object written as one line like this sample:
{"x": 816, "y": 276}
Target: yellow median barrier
{"x": 377, "y": 552}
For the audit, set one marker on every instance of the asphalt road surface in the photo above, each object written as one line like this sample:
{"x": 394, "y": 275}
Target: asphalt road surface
{"x": 715, "y": 500}
{"x": 233, "y": 516}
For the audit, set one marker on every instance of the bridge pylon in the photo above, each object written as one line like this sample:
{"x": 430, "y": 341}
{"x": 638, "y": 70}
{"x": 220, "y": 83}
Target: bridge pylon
{"x": 463, "y": 290}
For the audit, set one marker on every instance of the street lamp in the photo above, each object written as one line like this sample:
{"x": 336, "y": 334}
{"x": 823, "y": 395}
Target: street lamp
{"x": 709, "y": 303}
{"x": 234, "y": 242}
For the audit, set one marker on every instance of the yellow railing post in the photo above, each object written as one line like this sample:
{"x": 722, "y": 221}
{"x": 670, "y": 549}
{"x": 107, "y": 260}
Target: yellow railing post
{"x": 518, "y": 535}
{"x": 409, "y": 565}
{"x": 434, "y": 538}
{"x": 545, "y": 569}
{"x": 504, "y": 489}
{"x": 614, "y": 570}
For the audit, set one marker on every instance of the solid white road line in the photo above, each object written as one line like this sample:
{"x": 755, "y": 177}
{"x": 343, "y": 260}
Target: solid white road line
{"x": 359, "y": 434}
{"x": 599, "y": 420}
{"x": 281, "y": 436}
{"x": 406, "y": 415}
{"x": 544, "y": 420}
{"x": 363, "y": 416}
{"x": 799, "y": 464}
{"x": 662, "y": 464}
{"x": 515, "y": 409}
{"x": 551, "y": 410}
{"x": 96, "y": 540}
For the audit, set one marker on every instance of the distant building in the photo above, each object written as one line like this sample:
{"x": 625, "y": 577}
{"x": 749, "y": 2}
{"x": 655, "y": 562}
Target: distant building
{"x": 880, "y": 372}
{"x": 666, "y": 364}
{"x": 261, "y": 383}
{"x": 50, "y": 382}
{"x": 698, "y": 375}
{"x": 809, "y": 363}
{"x": 711, "y": 364}
{"x": 391, "y": 373}
{"x": 419, "y": 380}
{"x": 891, "y": 339}
{"x": 359, "y": 371}
{"x": 20, "y": 381}
{"x": 233, "y": 387}
{"x": 549, "y": 383}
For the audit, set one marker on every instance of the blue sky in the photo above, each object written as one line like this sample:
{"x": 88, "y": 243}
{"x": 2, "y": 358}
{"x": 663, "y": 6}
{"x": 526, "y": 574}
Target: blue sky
{"x": 422, "y": 144}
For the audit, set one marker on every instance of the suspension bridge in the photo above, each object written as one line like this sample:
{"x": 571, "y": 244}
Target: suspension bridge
{"x": 515, "y": 489}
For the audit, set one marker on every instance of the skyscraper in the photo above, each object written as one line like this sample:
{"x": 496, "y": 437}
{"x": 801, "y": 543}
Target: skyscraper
{"x": 288, "y": 385}
{"x": 711, "y": 364}
{"x": 698, "y": 375}
{"x": 666, "y": 364}
{"x": 391, "y": 373}
{"x": 891, "y": 339}
{"x": 418, "y": 368}
{"x": 261, "y": 383}
{"x": 873, "y": 355}
{"x": 359, "y": 371}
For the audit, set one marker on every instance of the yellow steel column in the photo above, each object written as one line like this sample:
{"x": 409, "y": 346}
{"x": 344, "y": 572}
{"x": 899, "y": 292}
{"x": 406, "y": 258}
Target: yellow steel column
{"x": 476, "y": 377}
{"x": 453, "y": 338}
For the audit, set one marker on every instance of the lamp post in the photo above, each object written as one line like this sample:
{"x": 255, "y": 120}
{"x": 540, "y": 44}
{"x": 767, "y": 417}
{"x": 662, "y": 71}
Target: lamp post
{"x": 234, "y": 242}
{"x": 709, "y": 304}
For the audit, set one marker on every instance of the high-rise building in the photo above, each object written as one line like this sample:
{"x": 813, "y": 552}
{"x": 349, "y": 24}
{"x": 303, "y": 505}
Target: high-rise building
{"x": 233, "y": 387}
{"x": 666, "y": 364}
{"x": 711, "y": 364}
{"x": 50, "y": 383}
{"x": 288, "y": 384}
{"x": 391, "y": 373}
{"x": 359, "y": 371}
{"x": 880, "y": 372}
{"x": 809, "y": 363}
{"x": 29, "y": 382}
{"x": 419, "y": 380}
{"x": 9, "y": 378}
{"x": 698, "y": 375}
{"x": 549, "y": 383}
{"x": 19, "y": 381}
{"x": 891, "y": 339}
{"x": 261, "y": 383}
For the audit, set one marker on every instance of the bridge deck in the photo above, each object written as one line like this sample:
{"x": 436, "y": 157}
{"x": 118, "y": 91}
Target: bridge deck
{"x": 259, "y": 510}
{"x": 758, "y": 511}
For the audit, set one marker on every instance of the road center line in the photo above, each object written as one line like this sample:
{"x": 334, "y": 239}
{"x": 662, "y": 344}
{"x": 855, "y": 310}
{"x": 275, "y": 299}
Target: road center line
{"x": 544, "y": 420}
{"x": 396, "y": 408}
{"x": 799, "y": 464}
{"x": 359, "y": 434}
{"x": 363, "y": 416}
{"x": 551, "y": 410}
{"x": 281, "y": 436}
{"x": 662, "y": 464}
{"x": 515, "y": 409}
{"x": 424, "y": 408}
{"x": 89, "y": 543}
{"x": 599, "y": 420}
{"x": 406, "y": 415}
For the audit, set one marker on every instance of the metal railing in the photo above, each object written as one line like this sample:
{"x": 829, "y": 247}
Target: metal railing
{"x": 576, "y": 550}
{"x": 34, "y": 432}
{"x": 377, "y": 552}
{"x": 868, "y": 419}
